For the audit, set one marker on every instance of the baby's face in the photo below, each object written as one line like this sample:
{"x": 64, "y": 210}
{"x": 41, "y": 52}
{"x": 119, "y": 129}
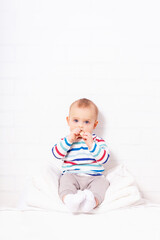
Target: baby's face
{"x": 83, "y": 118}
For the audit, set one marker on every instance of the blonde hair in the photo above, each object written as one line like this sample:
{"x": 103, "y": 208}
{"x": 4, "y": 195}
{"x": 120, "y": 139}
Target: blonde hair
{"x": 84, "y": 103}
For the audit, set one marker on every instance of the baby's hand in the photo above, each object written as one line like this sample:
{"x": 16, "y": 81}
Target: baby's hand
{"x": 87, "y": 137}
{"x": 74, "y": 135}
{"x": 82, "y": 133}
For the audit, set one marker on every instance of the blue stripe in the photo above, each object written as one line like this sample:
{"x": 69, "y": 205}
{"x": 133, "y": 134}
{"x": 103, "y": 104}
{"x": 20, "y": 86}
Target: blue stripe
{"x": 68, "y": 166}
{"x": 63, "y": 147}
{"x": 106, "y": 159}
{"x": 75, "y": 169}
{"x": 87, "y": 173}
{"x": 103, "y": 145}
{"x": 98, "y": 174}
{"x": 78, "y": 143}
{"x": 94, "y": 148}
{"x": 83, "y": 159}
{"x": 76, "y": 149}
{"x": 81, "y": 165}
{"x": 67, "y": 143}
{"x": 97, "y": 153}
{"x": 54, "y": 154}
{"x": 98, "y": 170}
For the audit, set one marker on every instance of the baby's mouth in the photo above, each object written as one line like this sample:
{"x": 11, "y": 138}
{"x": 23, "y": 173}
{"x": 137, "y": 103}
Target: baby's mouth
{"x": 80, "y": 135}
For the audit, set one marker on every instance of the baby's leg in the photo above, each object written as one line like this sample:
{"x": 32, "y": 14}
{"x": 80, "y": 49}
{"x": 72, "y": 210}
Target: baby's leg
{"x": 95, "y": 193}
{"x": 67, "y": 185}
{"x": 68, "y": 192}
{"x": 98, "y": 187}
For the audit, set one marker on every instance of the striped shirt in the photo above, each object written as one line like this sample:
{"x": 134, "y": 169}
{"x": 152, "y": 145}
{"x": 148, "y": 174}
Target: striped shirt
{"x": 77, "y": 158}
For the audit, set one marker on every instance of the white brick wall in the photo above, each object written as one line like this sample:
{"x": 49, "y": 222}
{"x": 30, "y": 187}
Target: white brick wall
{"x": 54, "y": 52}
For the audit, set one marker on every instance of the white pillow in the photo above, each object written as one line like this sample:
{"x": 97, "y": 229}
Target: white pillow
{"x": 41, "y": 191}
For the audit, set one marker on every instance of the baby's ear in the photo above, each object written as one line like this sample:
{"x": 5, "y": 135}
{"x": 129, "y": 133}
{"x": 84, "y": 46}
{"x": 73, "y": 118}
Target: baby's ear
{"x": 95, "y": 124}
{"x": 67, "y": 118}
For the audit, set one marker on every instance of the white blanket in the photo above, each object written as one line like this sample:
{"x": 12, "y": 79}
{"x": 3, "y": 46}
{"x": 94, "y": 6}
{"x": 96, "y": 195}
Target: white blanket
{"x": 41, "y": 191}
{"x": 133, "y": 223}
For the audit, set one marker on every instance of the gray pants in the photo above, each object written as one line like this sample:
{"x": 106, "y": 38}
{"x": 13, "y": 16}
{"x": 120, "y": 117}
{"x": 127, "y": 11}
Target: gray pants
{"x": 71, "y": 183}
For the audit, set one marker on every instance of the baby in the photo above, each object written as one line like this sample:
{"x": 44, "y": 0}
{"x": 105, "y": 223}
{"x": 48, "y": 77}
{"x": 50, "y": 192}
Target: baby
{"x": 82, "y": 185}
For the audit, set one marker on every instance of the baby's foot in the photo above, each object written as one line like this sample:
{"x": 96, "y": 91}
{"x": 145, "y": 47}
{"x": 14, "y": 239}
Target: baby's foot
{"x": 73, "y": 201}
{"x": 89, "y": 203}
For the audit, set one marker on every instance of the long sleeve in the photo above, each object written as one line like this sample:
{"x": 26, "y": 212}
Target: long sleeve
{"x": 60, "y": 149}
{"x": 77, "y": 158}
{"x": 100, "y": 151}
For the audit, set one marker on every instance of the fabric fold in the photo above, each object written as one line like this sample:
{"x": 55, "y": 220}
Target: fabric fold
{"x": 41, "y": 191}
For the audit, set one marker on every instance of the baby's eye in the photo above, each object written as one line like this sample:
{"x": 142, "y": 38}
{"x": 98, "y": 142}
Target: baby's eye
{"x": 87, "y": 122}
{"x": 75, "y": 120}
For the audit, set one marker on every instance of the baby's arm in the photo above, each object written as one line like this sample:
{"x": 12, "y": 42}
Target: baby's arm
{"x": 100, "y": 151}
{"x": 61, "y": 148}
{"x": 88, "y": 138}
{"x": 98, "y": 148}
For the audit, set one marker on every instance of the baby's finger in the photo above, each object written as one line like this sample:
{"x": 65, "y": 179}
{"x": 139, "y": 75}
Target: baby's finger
{"x": 76, "y": 131}
{"x": 85, "y": 136}
{"x": 82, "y": 133}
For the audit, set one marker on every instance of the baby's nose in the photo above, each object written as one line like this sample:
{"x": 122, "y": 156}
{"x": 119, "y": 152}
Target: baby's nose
{"x": 80, "y": 126}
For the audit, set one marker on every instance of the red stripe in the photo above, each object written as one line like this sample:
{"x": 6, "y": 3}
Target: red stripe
{"x": 70, "y": 162}
{"x": 59, "y": 152}
{"x": 99, "y": 140}
{"x": 102, "y": 156}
